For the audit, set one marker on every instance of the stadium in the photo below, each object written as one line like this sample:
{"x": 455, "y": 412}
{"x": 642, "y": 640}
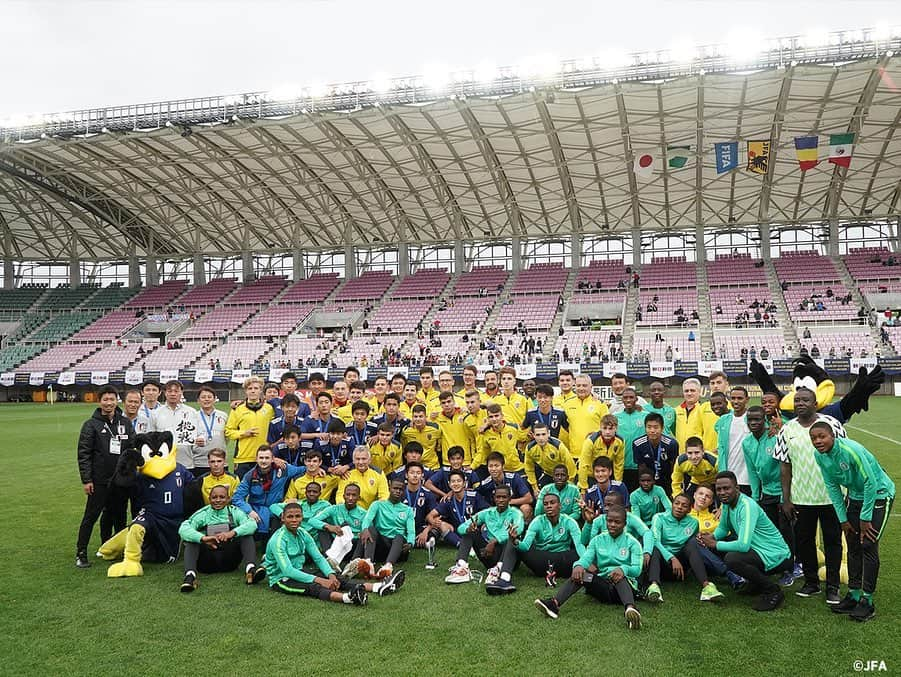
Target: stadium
{"x": 663, "y": 215}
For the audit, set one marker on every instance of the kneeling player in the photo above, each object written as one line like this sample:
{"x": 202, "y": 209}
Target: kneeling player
{"x": 339, "y": 526}
{"x": 217, "y": 537}
{"x": 617, "y": 558}
{"x": 552, "y": 543}
{"x": 520, "y": 494}
{"x": 450, "y": 513}
{"x": 490, "y": 533}
{"x": 286, "y": 554}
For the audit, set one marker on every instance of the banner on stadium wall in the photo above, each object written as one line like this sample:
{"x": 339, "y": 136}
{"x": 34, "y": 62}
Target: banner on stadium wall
{"x": 835, "y": 365}
{"x": 707, "y": 367}
{"x": 638, "y": 370}
{"x": 320, "y": 370}
{"x": 364, "y": 373}
{"x": 891, "y": 365}
{"x": 767, "y": 364}
{"x": 36, "y": 378}
{"x": 203, "y": 375}
{"x": 134, "y": 377}
{"x": 526, "y": 371}
{"x": 782, "y": 367}
{"x": 735, "y": 367}
{"x": 857, "y": 362}
{"x": 481, "y": 369}
{"x": 574, "y": 367}
{"x": 275, "y": 375}
{"x": 66, "y": 378}
{"x": 99, "y": 378}
{"x": 611, "y": 368}
{"x": 662, "y": 369}
{"x": 240, "y": 375}
{"x": 7, "y": 379}
{"x": 435, "y": 370}
{"x": 168, "y": 375}
{"x": 403, "y": 371}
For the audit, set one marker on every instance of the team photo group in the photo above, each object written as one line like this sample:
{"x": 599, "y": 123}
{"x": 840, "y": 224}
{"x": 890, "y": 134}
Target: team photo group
{"x": 325, "y": 491}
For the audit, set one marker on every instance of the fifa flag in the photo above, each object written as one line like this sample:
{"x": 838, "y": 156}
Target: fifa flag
{"x": 726, "y": 156}
{"x": 645, "y": 165}
{"x": 806, "y": 150}
{"x": 677, "y": 156}
{"x": 841, "y": 146}
{"x": 758, "y": 156}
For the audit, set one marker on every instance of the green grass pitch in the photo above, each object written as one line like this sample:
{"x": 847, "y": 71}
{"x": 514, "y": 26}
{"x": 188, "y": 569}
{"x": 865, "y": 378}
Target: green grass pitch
{"x": 59, "y": 620}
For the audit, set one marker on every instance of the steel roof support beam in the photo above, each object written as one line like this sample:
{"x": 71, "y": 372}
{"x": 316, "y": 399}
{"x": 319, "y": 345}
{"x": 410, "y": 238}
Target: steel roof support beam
{"x": 763, "y": 210}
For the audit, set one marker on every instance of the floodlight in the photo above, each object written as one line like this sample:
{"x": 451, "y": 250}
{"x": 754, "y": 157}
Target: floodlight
{"x": 486, "y": 72}
{"x": 882, "y": 31}
{"x": 683, "y": 51}
{"x": 436, "y": 77}
{"x": 380, "y": 83}
{"x": 818, "y": 37}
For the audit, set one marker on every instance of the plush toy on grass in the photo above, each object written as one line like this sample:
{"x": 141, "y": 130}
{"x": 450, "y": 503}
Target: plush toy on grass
{"x": 157, "y": 481}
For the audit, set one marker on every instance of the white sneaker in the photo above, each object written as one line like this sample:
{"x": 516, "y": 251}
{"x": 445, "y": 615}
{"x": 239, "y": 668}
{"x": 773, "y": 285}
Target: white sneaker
{"x": 459, "y": 574}
{"x": 494, "y": 573}
{"x": 350, "y": 570}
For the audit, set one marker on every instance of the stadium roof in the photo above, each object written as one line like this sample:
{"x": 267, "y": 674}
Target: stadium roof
{"x": 545, "y": 156}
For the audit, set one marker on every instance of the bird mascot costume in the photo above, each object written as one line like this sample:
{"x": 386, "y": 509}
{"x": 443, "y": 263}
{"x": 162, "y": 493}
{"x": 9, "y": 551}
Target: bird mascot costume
{"x": 150, "y": 472}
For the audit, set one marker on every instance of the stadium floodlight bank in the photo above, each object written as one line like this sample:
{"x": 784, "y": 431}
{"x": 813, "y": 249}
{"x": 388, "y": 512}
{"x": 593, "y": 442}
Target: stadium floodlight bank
{"x": 766, "y": 53}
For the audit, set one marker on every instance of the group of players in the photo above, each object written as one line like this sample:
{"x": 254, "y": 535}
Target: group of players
{"x": 615, "y": 495}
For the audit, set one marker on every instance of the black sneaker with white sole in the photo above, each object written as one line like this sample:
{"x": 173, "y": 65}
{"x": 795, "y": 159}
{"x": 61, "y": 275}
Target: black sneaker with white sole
{"x": 500, "y": 587}
{"x": 82, "y": 561}
{"x": 189, "y": 584}
{"x": 548, "y": 607}
{"x": 808, "y": 590}
{"x": 832, "y": 596}
{"x": 392, "y": 584}
{"x": 358, "y": 595}
{"x": 863, "y": 612}
{"x": 769, "y": 601}
{"x": 846, "y": 606}
{"x": 633, "y": 618}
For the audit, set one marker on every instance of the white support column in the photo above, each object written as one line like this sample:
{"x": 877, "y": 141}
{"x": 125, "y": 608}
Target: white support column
{"x": 765, "y": 248}
{"x": 403, "y": 259}
{"x": 636, "y": 248}
{"x": 199, "y": 269}
{"x": 459, "y": 257}
{"x": 298, "y": 267}
{"x": 134, "y": 271}
{"x": 152, "y": 271}
{"x": 350, "y": 262}
{"x": 516, "y": 246}
{"x": 700, "y": 247}
{"x": 576, "y": 251}
{"x": 9, "y": 273}
{"x": 247, "y": 271}
{"x": 832, "y": 245}
{"x": 74, "y": 272}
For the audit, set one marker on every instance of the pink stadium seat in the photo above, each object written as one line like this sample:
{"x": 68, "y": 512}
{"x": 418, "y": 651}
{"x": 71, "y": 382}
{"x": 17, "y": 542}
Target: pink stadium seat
{"x": 160, "y": 296}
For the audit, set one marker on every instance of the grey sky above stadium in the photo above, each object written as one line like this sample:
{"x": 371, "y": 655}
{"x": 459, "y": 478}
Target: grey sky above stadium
{"x": 61, "y": 54}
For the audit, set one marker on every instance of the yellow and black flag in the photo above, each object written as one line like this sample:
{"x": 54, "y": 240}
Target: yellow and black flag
{"x": 758, "y": 156}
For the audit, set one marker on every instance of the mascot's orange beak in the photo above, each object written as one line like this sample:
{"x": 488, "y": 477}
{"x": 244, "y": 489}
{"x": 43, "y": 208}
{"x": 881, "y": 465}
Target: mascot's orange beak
{"x": 157, "y": 465}
{"x": 825, "y": 391}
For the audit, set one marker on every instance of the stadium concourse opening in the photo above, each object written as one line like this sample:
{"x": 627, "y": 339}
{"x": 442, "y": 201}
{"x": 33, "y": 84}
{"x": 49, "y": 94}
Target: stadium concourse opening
{"x": 427, "y": 343}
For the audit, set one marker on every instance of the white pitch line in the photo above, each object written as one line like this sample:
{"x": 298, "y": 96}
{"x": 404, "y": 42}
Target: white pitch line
{"x": 881, "y": 437}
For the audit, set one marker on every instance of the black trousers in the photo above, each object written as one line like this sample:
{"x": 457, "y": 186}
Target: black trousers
{"x": 806, "y": 542}
{"x": 863, "y": 558}
{"x": 538, "y": 560}
{"x": 688, "y": 554}
{"x": 290, "y": 586}
{"x": 772, "y": 508}
{"x": 602, "y": 589}
{"x": 106, "y": 504}
{"x": 505, "y": 554}
{"x": 201, "y": 557}
{"x": 381, "y": 548}
{"x": 749, "y": 566}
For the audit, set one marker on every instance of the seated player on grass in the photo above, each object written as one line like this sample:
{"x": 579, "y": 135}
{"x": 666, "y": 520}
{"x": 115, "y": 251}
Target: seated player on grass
{"x": 756, "y": 548}
{"x": 648, "y": 499}
{"x": 863, "y": 514}
{"x": 693, "y": 468}
{"x": 566, "y": 492}
{"x": 286, "y": 555}
{"x": 542, "y": 454}
{"x": 262, "y": 486}
{"x": 387, "y": 535}
{"x": 615, "y": 557}
{"x": 373, "y": 484}
{"x": 490, "y": 533}
{"x": 457, "y": 507}
{"x": 552, "y": 543}
{"x": 315, "y": 474}
{"x": 438, "y": 482}
{"x": 707, "y": 524}
{"x": 520, "y": 496}
{"x": 217, "y": 537}
{"x": 386, "y": 454}
{"x": 675, "y": 546}
{"x": 602, "y": 469}
{"x": 603, "y": 442}
{"x": 311, "y": 505}
{"x": 339, "y": 526}
{"x": 597, "y": 524}
{"x": 422, "y": 502}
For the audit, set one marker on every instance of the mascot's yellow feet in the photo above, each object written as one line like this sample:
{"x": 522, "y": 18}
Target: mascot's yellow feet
{"x": 131, "y": 565}
{"x": 114, "y": 547}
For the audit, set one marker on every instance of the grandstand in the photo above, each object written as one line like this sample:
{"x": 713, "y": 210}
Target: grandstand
{"x": 474, "y": 237}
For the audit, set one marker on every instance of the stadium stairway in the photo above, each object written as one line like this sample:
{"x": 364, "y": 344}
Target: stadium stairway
{"x": 705, "y": 312}
{"x": 792, "y": 345}
{"x": 551, "y": 341}
{"x": 629, "y": 322}
{"x": 494, "y": 314}
{"x": 885, "y": 349}
{"x": 429, "y": 317}
{"x": 364, "y": 315}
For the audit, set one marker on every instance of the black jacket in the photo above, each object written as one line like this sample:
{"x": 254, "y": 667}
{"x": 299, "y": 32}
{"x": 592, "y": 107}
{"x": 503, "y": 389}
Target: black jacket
{"x": 95, "y": 462}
